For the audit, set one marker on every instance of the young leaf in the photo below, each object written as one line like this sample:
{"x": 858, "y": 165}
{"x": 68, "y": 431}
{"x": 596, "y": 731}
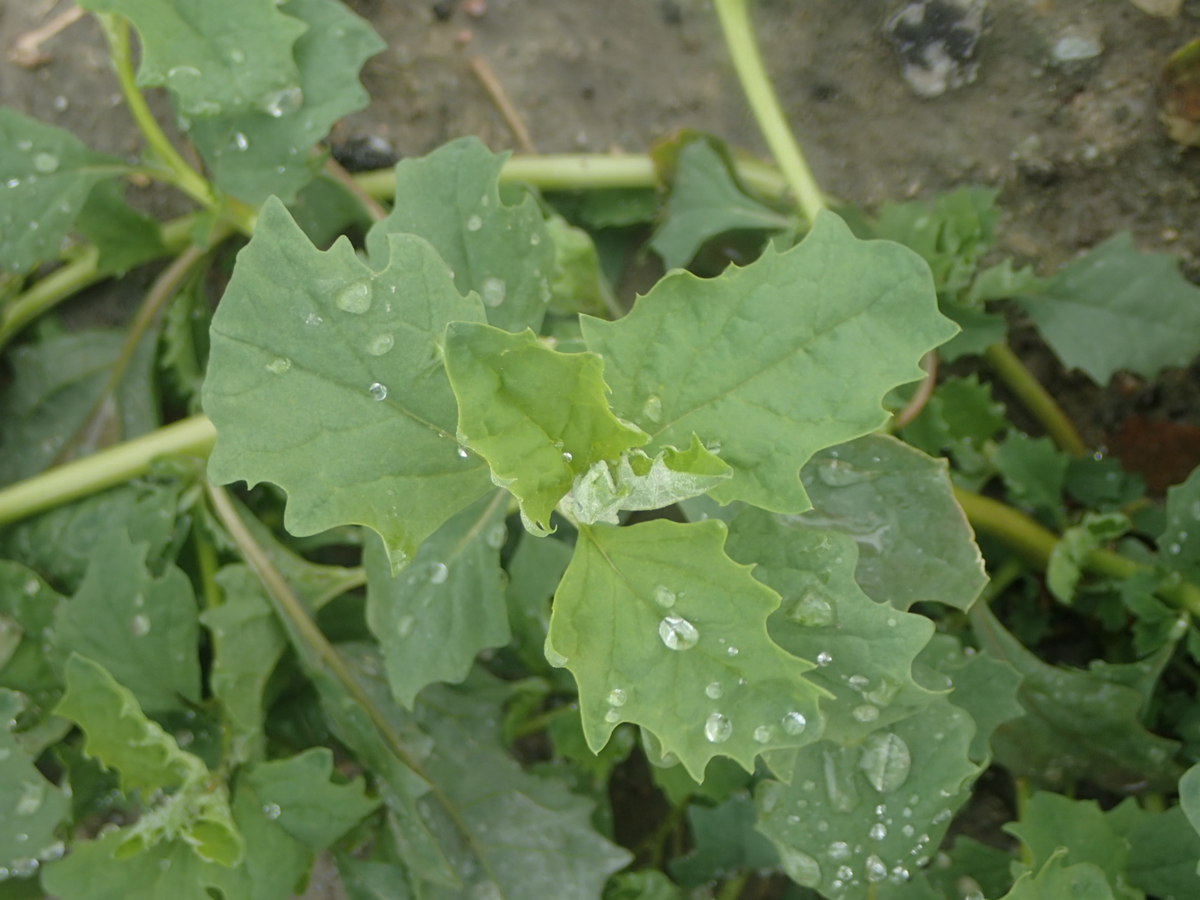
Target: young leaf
{"x": 1065, "y": 567}
{"x": 501, "y": 251}
{"x": 46, "y": 175}
{"x": 142, "y": 629}
{"x": 432, "y": 619}
{"x": 661, "y": 628}
{"x": 1034, "y": 471}
{"x": 256, "y": 153}
{"x": 325, "y": 377}
{"x": 31, "y": 808}
{"x": 1119, "y": 308}
{"x": 796, "y": 352}
{"x": 705, "y": 201}
{"x": 214, "y": 56}
{"x": 539, "y": 417}
{"x": 1056, "y": 879}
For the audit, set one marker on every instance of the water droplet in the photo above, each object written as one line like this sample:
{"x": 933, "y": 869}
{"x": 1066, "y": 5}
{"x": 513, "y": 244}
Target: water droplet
{"x": 794, "y": 722}
{"x": 813, "y": 610}
{"x": 280, "y": 103}
{"x": 313, "y": 319}
{"x": 762, "y": 734}
{"x": 463, "y": 452}
{"x": 354, "y": 298}
{"x": 876, "y": 869}
{"x": 13, "y": 183}
{"x": 272, "y": 811}
{"x": 404, "y": 625}
{"x": 732, "y": 650}
{"x": 714, "y": 690}
{"x": 717, "y": 728}
{"x": 678, "y": 633}
{"x": 838, "y": 850}
{"x": 839, "y": 473}
{"x": 612, "y": 717}
{"x": 32, "y": 794}
{"x": 535, "y": 239}
{"x": 45, "y": 163}
{"x": 617, "y": 697}
{"x": 567, "y": 456}
{"x": 664, "y": 596}
{"x": 377, "y": 391}
{"x": 25, "y": 867}
{"x": 140, "y": 626}
{"x": 492, "y": 291}
{"x": 878, "y": 831}
{"x": 438, "y": 573}
{"x": 279, "y": 365}
{"x": 845, "y": 873}
{"x": 652, "y": 410}
{"x": 865, "y": 713}
{"x": 858, "y": 682}
{"x": 240, "y": 141}
{"x": 824, "y": 659}
{"x": 800, "y": 867}
{"x": 380, "y": 344}
{"x": 886, "y": 761}
{"x": 474, "y": 223}
{"x": 900, "y": 875}
{"x": 496, "y": 536}
{"x": 31, "y": 586}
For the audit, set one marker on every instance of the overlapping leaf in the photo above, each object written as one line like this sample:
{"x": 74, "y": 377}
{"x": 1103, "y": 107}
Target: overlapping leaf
{"x": 1083, "y": 881}
{"x": 325, "y": 377}
{"x": 539, "y": 417}
{"x": 498, "y": 249}
{"x": 215, "y": 56}
{"x": 432, "y": 619}
{"x": 27, "y": 609}
{"x": 725, "y": 841}
{"x": 798, "y": 350}
{"x": 661, "y": 628}
{"x": 1179, "y": 542}
{"x": 31, "y": 807}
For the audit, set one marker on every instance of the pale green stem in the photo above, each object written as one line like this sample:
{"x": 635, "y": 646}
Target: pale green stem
{"x": 734, "y": 16}
{"x": 106, "y": 468}
{"x": 1035, "y": 398}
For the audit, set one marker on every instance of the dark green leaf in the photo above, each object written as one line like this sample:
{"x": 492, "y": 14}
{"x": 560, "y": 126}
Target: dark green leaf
{"x": 1179, "y": 542}
{"x": 1033, "y": 470}
{"x": 1057, "y": 880}
{"x": 123, "y": 236}
{"x": 31, "y": 807}
{"x": 724, "y": 841}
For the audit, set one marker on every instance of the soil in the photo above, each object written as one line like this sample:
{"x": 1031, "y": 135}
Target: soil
{"x": 1076, "y": 149}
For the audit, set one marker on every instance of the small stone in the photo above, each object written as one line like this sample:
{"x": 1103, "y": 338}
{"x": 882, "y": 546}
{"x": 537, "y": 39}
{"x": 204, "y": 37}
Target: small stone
{"x": 936, "y": 40}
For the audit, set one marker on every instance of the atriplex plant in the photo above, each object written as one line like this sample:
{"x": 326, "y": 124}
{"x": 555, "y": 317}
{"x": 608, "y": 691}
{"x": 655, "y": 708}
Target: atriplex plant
{"x": 756, "y": 589}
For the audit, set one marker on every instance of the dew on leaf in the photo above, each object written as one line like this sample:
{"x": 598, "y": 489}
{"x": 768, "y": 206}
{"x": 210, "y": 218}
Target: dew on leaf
{"x": 354, "y": 298}
{"x": 404, "y": 625}
{"x": 718, "y": 728}
{"x": 652, "y": 410}
{"x": 438, "y": 573}
{"x": 714, "y": 690}
{"x": 377, "y": 391}
{"x": 45, "y": 163}
{"x": 858, "y": 682}
{"x": 240, "y": 141}
{"x": 839, "y": 473}
{"x": 25, "y": 867}
{"x": 664, "y": 596}
{"x": 824, "y": 659}
{"x": 877, "y": 832}
{"x": 845, "y": 873}
{"x": 838, "y": 850}
{"x": 762, "y": 734}
{"x": 732, "y": 650}
{"x": 794, "y": 722}
{"x": 380, "y": 344}
{"x": 617, "y": 697}
{"x": 885, "y": 760}
{"x": 313, "y": 319}
{"x": 140, "y": 626}
{"x": 876, "y": 869}
{"x": 813, "y": 610}
{"x": 279, "y": 103}
{"x": 30, "y": 801}
{"x": 493, "y": 291}
{"x": 800, "y": 867}
{"x": 279, "y": 365}
{"x": 272, "y": 811}
{"x": 865, "y": 713}
{"x": 678, "y": 633}
{"x": 474, "y": 223}
{"x": 900, "y": 875}
{"x": 463, "y": 453}
{"x": 496, "y": 536}
{"x": 612, "y": 717}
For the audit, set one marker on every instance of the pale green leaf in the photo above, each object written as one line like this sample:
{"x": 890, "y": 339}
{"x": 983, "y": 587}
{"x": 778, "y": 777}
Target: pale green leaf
{"x": 254, "y": 154}
{"x": 499, "y": 250}
{"x": 1069, "y": 556}
{"x": 432, "y": 619}
{"x": 142, "y": 629}
{"x": 325, "y": 377}
{"x": 705, "y": 201}
{"x": 898, "y": 504}
{"x": 214, "y": 56}
{"x": 31, "y": 807}
{"x": 275, "y": 865}
{"x": 46, "y": 175}
{"x": 539, "y": 417}
{"x": 579, "y": 284}
{"x": 661, "y": 628}
{"x": 1119, "y": 308}
{"x": 1057, "y": 880}
{"x": 797, "y": 351}
{"x": 853, "y": 817}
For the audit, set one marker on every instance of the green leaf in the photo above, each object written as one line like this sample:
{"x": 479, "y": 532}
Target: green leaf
{"x": 797, "y": 350}
{"x": 534, "y": 571}
{"x": 961, "y": 417}
{"x": 56, "y": 386}
{"x": 1057, "y": 880}
{"x": 142, "y": 629}
{"x": 1119, "y": 308}
{"x": 31, "y": 807}
{"x": 972, "y": 865}
{"x": 299, "y": 796}
{"x": 1034, "y": 471}
{"x": 539, "y": 417}
{"x": 46, "y": 175}
{"x": 898, "y": 504}
{"x": 864, "y": 650}
{"x": 706, "y": 201}
{"x": 123, "y": 236}
{"x": 855, "y": 816}
{"x": 1163, "y": 854}
{"x": 1189, "y": 797}
{"x": 579, "y": 284}
{"x": 27, "y": 609}
{"x": 325, "y": 378}
{"x": 214, "y": 56}
{"x": 724, "y": 842}
{"x": 256, "y": 153}
{"x": 1065, "y": 566}
{"x": 1078, "y": 724}
{"x": 499, "y": 250}
{"x": 432, "y": 619}
{"x": 661, "y": 628}
{"x": 1179, "y": 542}
{"x": 648, "y": 884}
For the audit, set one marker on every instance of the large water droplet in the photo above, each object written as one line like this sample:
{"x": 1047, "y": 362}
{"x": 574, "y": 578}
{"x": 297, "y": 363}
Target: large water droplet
{"x": 762, "y": 734}
{"x": 876, "y": 870}
{"x": 279, "y": 103}
{"x": 354, "y": 298}
{"x": 272, "y": 811}
{"x": 865, "y": 713}
{"x": 718, "y": 728}
{"x": 496, "y": 536}
{"x": 714, "y": 690}
{"x": 377, "y": 391}
{"x": 664, "y": 596}
{"x": 652, "y": 409}
{"x": 279, "y": 365}
{"x": 794, "y": 722}
{"x": 492, "y": 291}
{"x": 678, "y": 633}
{"x": 824, "y": 659}
{"x": 886, "y": 761}
{"x": 813, "y": 610}
{"x": 438, "y": 573}
{"x": 800, "y": 867}
{"x": 838, "y": 850}
{"x": 474, "y": 223}
{"x": 617, "y": 697}
{"x": 877, "y": 832}
{"x": 140, "y": 626}
{"x": 839, "y": 473}
{"x": 380, "y": 344}
{"x": 45, "y": 163}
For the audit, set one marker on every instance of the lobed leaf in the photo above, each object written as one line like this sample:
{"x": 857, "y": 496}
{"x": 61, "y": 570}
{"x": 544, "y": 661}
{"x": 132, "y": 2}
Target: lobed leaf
{"x": 1056, "y": 879}
{"x": 661, "y": 628}
{"x": 798, "y": 350}
{"x": 1179, "y": 541}
{"x": 31, "y": 807}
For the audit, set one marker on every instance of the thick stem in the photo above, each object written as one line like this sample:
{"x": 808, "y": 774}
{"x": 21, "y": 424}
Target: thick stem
{"x": 1035, "y": 398}
{"x": 734, "y": 16}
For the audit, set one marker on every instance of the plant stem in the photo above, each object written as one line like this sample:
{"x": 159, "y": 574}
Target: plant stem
{"x": 1036, "y": 543}
{"x": 106, "y": 468}
{"x": 1008, "y": 366}
{"x": 734, "y": 16}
